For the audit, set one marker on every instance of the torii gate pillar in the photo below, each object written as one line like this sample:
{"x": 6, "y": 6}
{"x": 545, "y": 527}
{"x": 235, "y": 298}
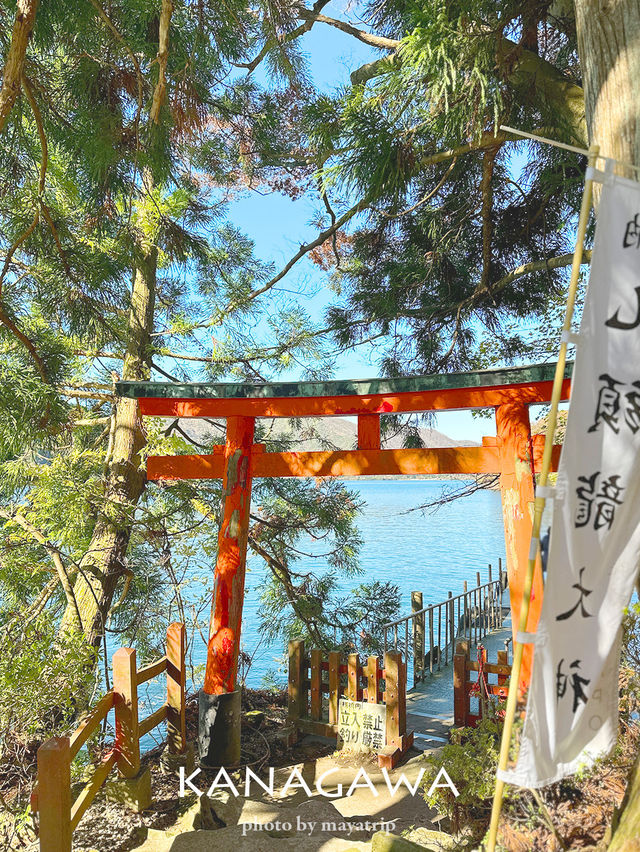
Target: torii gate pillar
{"x": 517, "y": 490}
{"x": 228, "y": 581}
{"x": 219, "y": 726}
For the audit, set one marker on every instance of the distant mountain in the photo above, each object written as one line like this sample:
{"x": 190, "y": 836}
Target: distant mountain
{"x": 313, "y": 433}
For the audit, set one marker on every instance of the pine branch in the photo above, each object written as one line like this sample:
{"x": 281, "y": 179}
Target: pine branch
{"x": 54, "y": 553}
{"x": 14, "y": 65}
{"x": 370, "y": 70}
{"x": 140, "y": 82}
{"x": 304, "y": 250}
{"x": 281, "y": 574}
{"x": 290, "y": 36}
{"x": 41, "y": 182}
{"x": 486, "y": 194}
{"x": 25, "y": 617}
{"x": 162, "y": 57}
{"x": 77, "y": 394}
{"x": 362, "y": 35}
{"x": 537, "y": 266}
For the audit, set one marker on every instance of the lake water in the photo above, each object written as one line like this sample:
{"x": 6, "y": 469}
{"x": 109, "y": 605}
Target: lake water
{"x": 431, "y": 553}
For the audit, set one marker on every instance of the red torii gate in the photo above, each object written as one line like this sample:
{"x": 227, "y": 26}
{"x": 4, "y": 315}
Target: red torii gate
{"x": 513, "y": 453}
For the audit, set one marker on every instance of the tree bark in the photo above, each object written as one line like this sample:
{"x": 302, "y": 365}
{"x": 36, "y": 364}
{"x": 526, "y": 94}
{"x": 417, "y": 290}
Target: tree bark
{"x": 608, "y": 37}
{"x": 105, "y": 560}
{"x": 14, "y": 64}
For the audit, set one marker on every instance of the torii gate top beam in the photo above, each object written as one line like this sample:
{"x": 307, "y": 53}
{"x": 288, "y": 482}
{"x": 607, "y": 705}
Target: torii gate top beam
{"x": 479, "y": 389}
{"x": 512, "y": 454}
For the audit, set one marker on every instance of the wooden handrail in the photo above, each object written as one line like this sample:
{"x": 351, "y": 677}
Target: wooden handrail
{"x": 81, "y": 734}
{"x": 153, "y": 720}
{"x": 88, "y": 726}
{"x": 152, "y": 670}
{"x": 88, "y": 792}
{"x": 51, "y": 795}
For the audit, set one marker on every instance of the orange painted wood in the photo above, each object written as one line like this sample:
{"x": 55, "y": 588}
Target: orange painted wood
{"x": 354, "y": 672}
{"x": 538, "y": 450}
{"x": 517, "y": 491}
{"x": 460, "y": 695}
{"x": 316, "y": 684}
{"x": 368, "y": 432}
{"x": 125, "y": 688}
{"x": 321, "y": 406}
{"x": 176, "y": 686}
{"x": 54, "y": 795}
{"x": 334, "y": 686}
{"x": 391, "y": 697}
{"x": 228, "y": 583}
{"x": 373, "y": 680}
{"x": 404, "y": 462}
{"x": 503, "y": 660}
{"x": 297, "y": 690}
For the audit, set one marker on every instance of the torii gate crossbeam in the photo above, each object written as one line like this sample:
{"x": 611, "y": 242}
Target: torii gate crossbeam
{"x": 513, "y": 453}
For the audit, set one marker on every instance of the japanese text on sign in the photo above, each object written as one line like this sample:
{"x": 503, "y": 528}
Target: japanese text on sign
{"x": 361, "y": 726}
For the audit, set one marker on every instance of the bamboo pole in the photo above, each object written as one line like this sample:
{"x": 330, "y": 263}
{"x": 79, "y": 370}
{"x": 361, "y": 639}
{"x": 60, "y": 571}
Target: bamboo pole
{"x": 539, "y": 504}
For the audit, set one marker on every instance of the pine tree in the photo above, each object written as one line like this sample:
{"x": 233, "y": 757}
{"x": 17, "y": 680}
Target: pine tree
{"x": 129, "y": 127}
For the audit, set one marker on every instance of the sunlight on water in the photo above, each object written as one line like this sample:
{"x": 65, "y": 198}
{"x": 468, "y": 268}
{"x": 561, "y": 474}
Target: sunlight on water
{"x": 431, "y": 553}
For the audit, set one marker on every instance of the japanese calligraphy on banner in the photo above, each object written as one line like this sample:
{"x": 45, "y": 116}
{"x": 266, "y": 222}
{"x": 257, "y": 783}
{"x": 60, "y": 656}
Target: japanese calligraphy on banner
{"x": 594, "y": 549}
{"x": 361, "y": 726}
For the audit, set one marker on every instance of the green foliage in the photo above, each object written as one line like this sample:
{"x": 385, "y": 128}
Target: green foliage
{"x": 471, "y": 761}
{"x": 44, "y": 681}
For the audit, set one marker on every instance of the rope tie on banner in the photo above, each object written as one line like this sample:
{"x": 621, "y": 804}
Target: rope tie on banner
{"x": 570, "y": 337}
{"x": 547, "y": 492}
{"x": 525, "y": 638}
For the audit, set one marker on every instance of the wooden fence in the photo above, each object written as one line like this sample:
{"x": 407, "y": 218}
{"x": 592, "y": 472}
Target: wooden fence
{"x": 482, "y": 688}
{"x": 51, "y": 797}
{"x": 316, "y": 685}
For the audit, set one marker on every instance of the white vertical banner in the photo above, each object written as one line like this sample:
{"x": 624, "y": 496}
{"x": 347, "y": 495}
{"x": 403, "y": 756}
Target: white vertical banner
{"x": 594, "y": 549}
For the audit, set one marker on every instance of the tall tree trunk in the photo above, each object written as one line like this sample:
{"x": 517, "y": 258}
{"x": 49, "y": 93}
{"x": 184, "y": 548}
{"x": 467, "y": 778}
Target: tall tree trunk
{"x": 14, "y": 63}
{"x": 609, "y": 46}
{"x": 105, "y": 560}
{"x": 608, "y": 42}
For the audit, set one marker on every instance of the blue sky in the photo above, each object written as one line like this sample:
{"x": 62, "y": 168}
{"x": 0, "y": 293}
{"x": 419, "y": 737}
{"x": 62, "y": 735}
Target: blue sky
{"x": 279, "y": 225}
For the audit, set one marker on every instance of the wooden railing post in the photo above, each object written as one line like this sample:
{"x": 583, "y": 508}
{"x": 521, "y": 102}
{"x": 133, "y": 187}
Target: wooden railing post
{"x": 482, "y": 698}
{"x": 176, "y": 686}
{"x": 354, "y": 672}
{"x": 460, "y": 699}
{"x": 334, "y": 686}
{"x": 316, "y": 684}
{"x": 431, "y": 645}
{"x": 373, "y": 680}
{"x": 492, "y": 621}
{"x": 297, "y": 694}
{"x": 125, "y": 688}
{"x": 418, "y": 637}
{"x": 54, "y": 795}
{"x": 392, "y": 680}
{"x": 503, "y": 660}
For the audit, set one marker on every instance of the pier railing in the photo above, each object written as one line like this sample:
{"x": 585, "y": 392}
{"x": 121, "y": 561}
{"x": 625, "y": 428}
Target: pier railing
{"x": 429, "y": 633}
